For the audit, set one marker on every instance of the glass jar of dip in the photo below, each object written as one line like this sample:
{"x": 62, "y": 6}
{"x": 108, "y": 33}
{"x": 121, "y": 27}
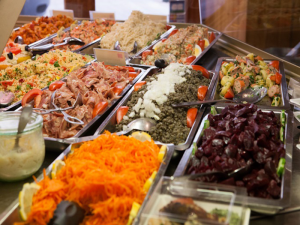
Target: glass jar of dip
{"x": 20, "y": 163}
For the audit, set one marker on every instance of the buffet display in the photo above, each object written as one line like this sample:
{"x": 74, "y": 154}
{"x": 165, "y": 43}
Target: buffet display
{"x": 117, "y": 179}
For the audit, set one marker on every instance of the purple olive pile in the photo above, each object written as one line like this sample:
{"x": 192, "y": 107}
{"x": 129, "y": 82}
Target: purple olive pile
{"x": 239, "y": 136}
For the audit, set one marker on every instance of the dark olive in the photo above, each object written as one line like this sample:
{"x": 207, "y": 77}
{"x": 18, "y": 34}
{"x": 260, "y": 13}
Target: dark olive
{"x": 10, "y": 55}
{"x": 160, "y": 63}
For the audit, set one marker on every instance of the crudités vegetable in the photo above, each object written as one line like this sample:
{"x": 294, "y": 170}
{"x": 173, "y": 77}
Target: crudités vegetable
{"x": 236, "y": 137}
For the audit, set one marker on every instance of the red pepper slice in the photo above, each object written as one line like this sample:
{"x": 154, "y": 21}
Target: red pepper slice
{"x": 6, "y": 83}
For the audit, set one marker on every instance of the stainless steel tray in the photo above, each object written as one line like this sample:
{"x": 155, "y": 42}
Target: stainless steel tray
{"x": 12, "y": 215}
{"x": 136, "y": 60}
{"x": 88, "y": 49}
{"x": 110, "y": 122}
{"x": 58, "y": 144}
{"x": 266, "y": 101}
{"x": 261, "y": 205}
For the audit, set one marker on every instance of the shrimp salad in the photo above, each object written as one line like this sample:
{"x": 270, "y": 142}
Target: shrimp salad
{"x": 250, "y": 71}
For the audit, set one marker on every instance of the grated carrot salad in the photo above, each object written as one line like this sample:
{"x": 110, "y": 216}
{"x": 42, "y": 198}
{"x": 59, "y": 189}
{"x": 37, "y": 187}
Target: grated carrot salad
{"x": 104, "y": 176}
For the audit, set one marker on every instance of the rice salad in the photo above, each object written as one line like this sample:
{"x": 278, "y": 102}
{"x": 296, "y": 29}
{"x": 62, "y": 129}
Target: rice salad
{"x": 41, "y": 72}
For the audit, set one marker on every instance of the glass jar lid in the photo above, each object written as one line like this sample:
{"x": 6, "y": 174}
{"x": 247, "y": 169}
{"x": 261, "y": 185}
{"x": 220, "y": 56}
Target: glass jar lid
{"x": 9, "y": 122}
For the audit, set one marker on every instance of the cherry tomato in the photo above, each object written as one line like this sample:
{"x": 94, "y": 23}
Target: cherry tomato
{"x": 146, "y": 53}
{"x": 201, "y": 43}
{"x": 52, "y": 61}
{"x": 121, "y": 112}
{"x": 212, "y": 37}
{"x": 190, "y": 59}
{"x": 202, "y": 69}
{"x": 14, "y": 50}
{"x": 133, "y": 74}
{"x": 138, "y": 85}
{"x": 278, "y": 78}
{"x": 173, "y": 32}
{"x": 275, "y": 64}
{"x": 29, "y": 96}
{"x": 202, "y": 90}
{"x": 118, "y": 90}
{"x": 56, "y": 85}
{"x": 2, "y": 58}
{"x": 99, "y": 108}
{"x": 191, "y": 116}
{"x": 229, "y": 94}
{"x": 6, "y": 83}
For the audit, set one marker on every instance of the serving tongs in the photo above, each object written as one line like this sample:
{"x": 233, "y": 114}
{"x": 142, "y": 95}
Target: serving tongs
{"x": 118, "y": 47}
{"x": 55, "y": 108}
{"x": 67, "y": 40}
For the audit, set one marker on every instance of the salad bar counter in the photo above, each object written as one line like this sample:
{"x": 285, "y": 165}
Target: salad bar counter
{"x": 230, "y": 162}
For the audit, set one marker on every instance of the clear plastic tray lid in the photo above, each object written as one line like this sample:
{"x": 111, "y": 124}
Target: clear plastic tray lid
{"x": 193, "y": 203}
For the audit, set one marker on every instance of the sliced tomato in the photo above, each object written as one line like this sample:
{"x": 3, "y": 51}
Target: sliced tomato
{"x": 133, "y": 74}
{"x": 201, "y": 43}
{"x": 29, "y": 96}
{"x": 11, "y": 44}
{"x": 118, "y": 90}
{"x": 173, "y": 32}
{"x": 202, "y": 90}
{"x": 168, "y": 27}
{"x": 121, "y": 112}
{"x": 190, "y": 59}
{"x": 191, "y": 116}
{"x": 258, "y": 58}
{"x": 273, "y": 78}
{"x": 138, "y": 85}
{"x": 212, "y": 37}
{"x": 275, "y": 64}
{"x": 6, "y": 83}
{"x": 129, "y": 68}
{"x": 229, "y": 94}
{"x": 99, "y": 108}
{"x": 14, "y": 50}
{"x": 30, "y": 83}
{"x": 146, "y": 53}
{"x": 2, "y": 58}
{"x": 202, "y": 69}
{"x": 52, "y": 61}
{"x": 56, "y": 85}
{"x": 188, "y": 201}
{"x": 278, "y": 78}
{"x": 163, "y": 40}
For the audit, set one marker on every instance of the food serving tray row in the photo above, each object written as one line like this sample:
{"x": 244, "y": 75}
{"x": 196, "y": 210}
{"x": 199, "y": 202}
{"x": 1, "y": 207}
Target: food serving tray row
{"x": 88, "y": 49}
{"x": 12, "y": 215}
{"x": 110, "y": 122}
{"x": 266, "y": 101}
{"x": 58, "y": 144}
{"x": 136, "y": 60}
{"x": 261, "y": 205}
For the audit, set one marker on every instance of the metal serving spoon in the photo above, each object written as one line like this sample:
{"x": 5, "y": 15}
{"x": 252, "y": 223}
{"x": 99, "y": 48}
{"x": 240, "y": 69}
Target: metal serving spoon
{"x": 247, "y": 96}
{"x": 223, "y": 175}
{"x": 24, "y": 119}
{"x": 67, "y": 40}
{"x": 142, "y": 124}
